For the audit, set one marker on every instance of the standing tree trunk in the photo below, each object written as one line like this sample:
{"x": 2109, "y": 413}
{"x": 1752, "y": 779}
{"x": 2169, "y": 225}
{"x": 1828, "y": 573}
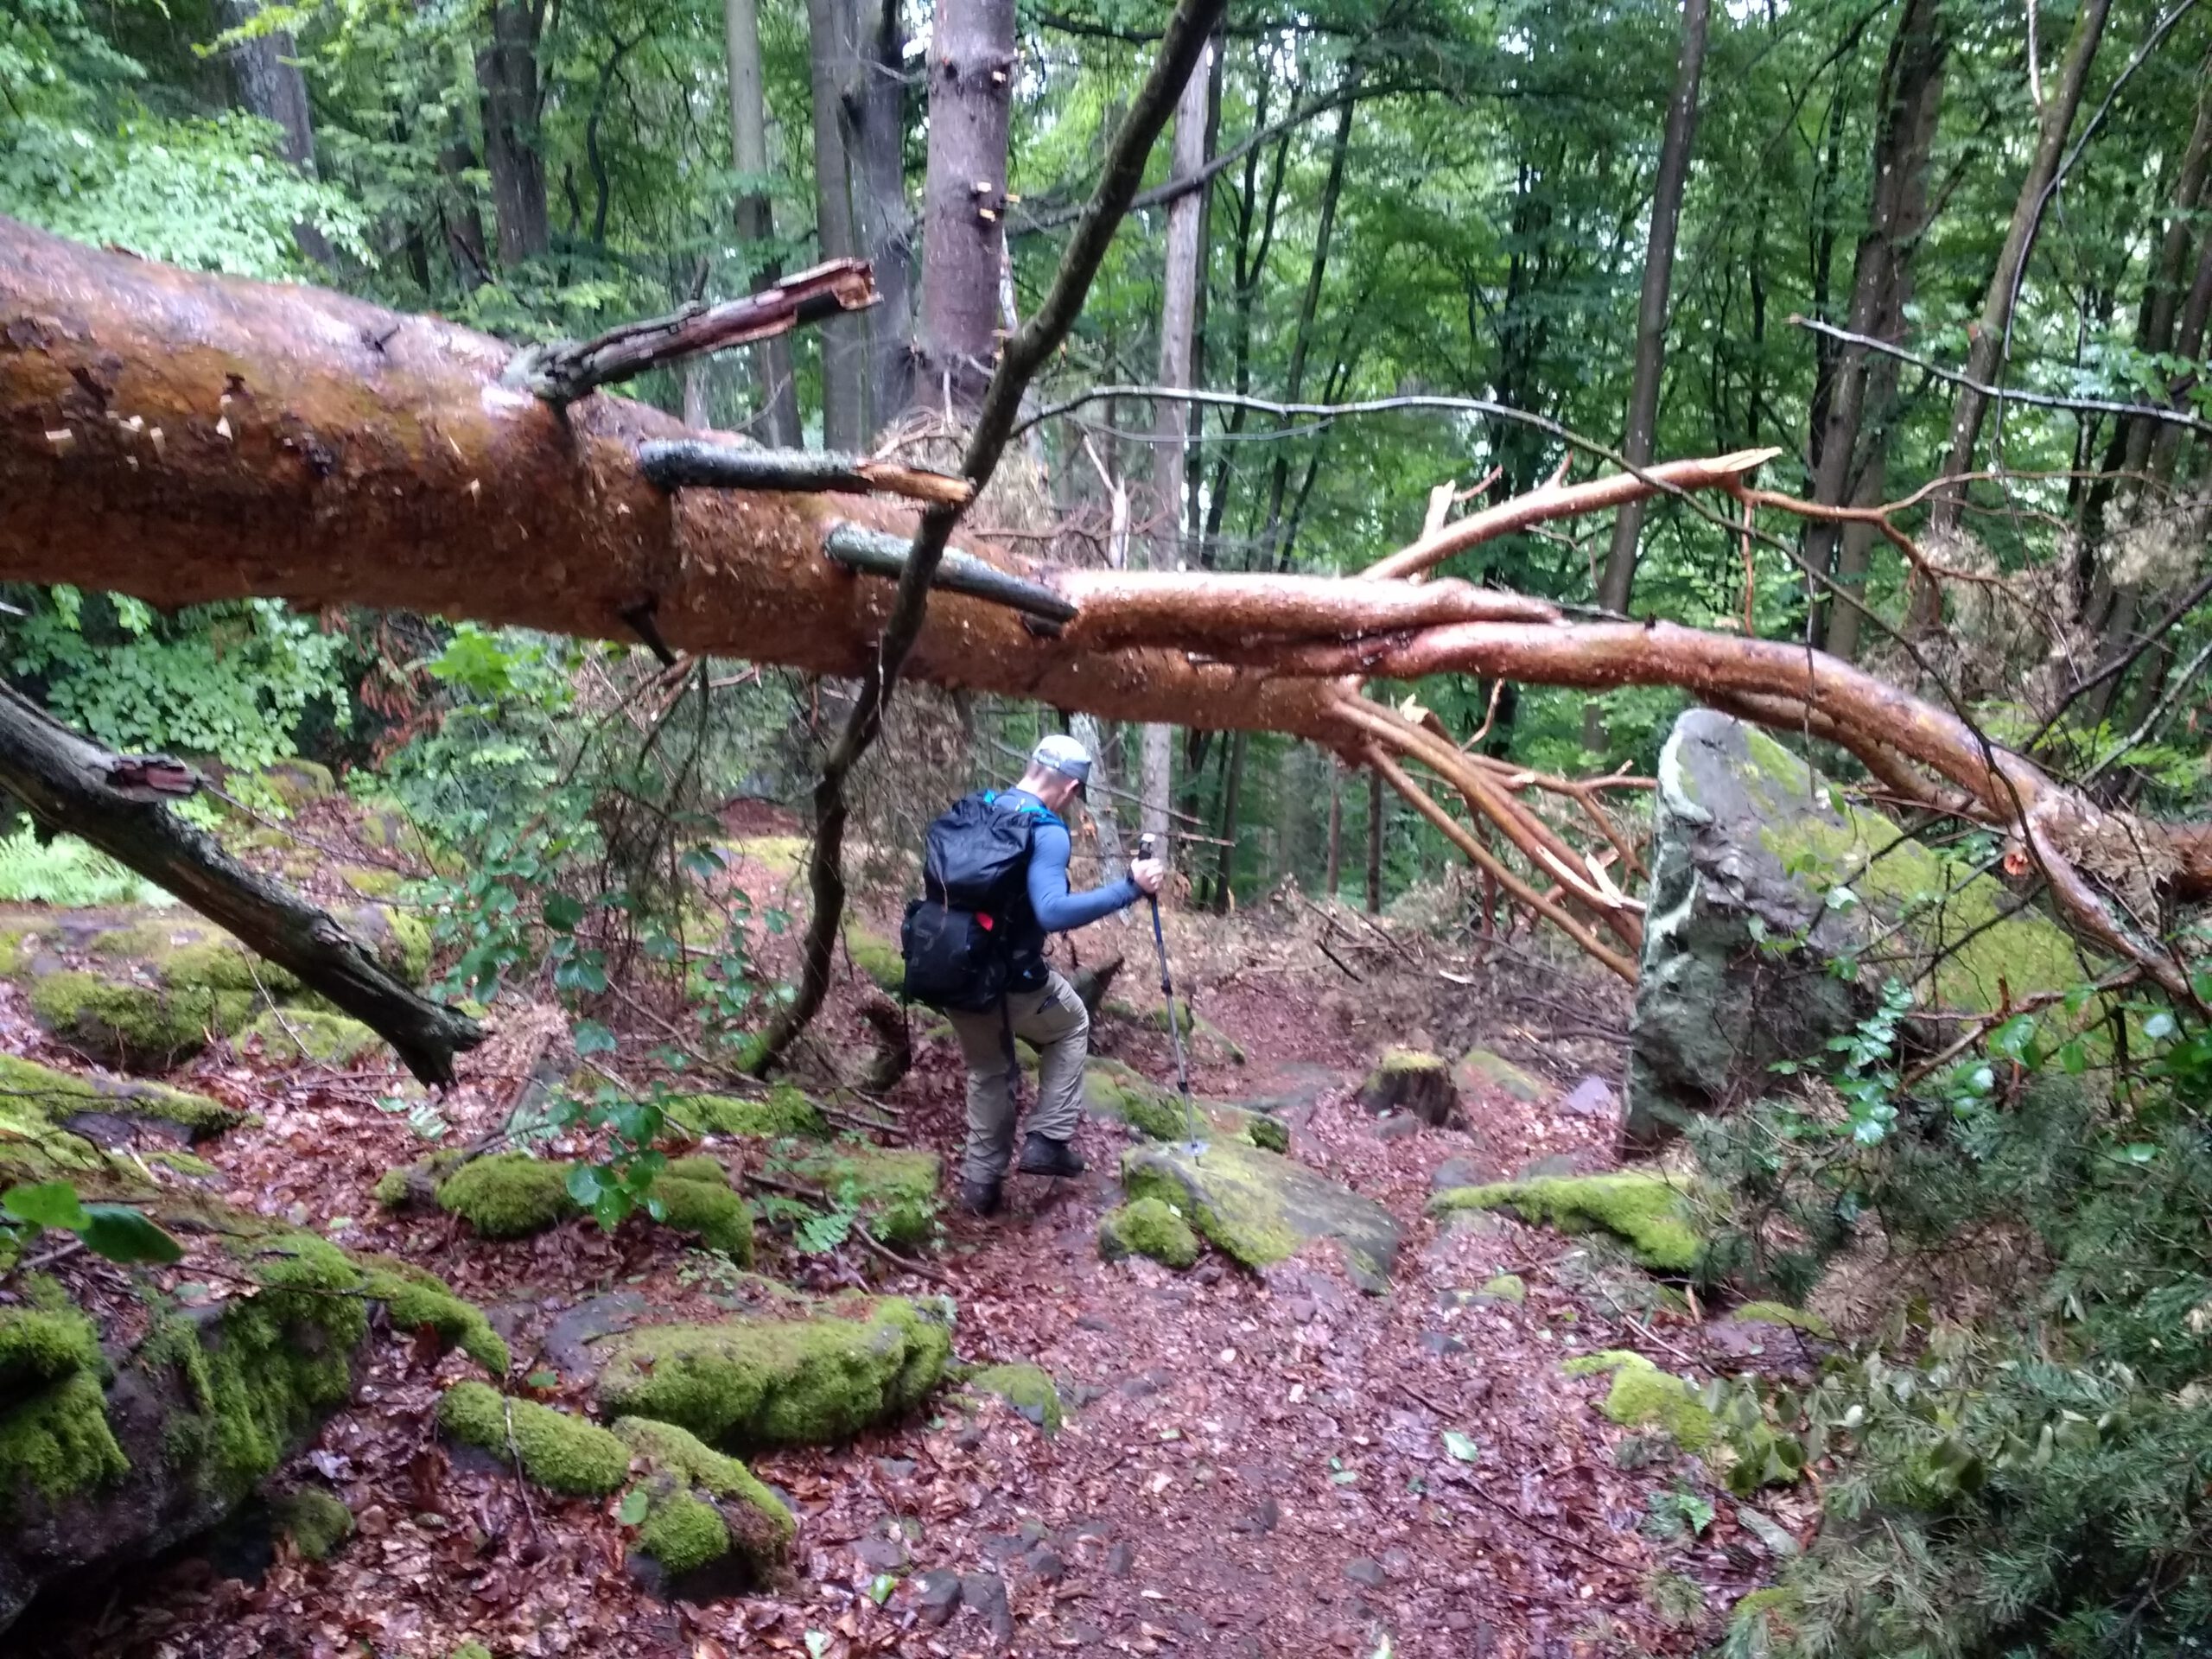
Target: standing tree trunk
{"x": 1911, "y": 99}
{"x": 1232, "y": 788}
{"x": 506, "y": 74}
{"x": 1989, "y": 336}
{"x": 834, "y": 62}
{"x": 963, "y": 201}
{"x": 269, "y": 85}
{"x": 887, "y": 227}
{"x": 1374, "y": 843}
{"x": 756, "y": 222}
{"x": 1172, "y": 421}
{"x": 1091, "y": 732}
{"x": 1638, "y": 438}
{"x": 1335, "y": 872}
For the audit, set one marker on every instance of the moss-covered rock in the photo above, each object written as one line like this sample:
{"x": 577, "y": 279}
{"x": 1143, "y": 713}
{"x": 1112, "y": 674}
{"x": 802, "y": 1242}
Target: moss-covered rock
{"x": 894, "y": 1188}
{"x": 58, "y": 1443}
{"x": 1643, "y": 1396}
{"x": 705, "y": 1206}
{"x": 60, "y": 1096}
{"x": 294, "y": 1035}
{"x": 1147, "y": 1226}
{"x": 558, "y": 1451}
{"x": 796, "y": 1381}
{"x": 784, "y": 1112}
{"x": 1259, "y": 1208}
{"x": 877, "y": 958}
{"x": 296, "y": 781}
{"x": 1781, "y": 1313}
{"x": 1650, "y": 1213}
{"x": 414, "y": 1299}
{"x": 1113, "y": 1092}
{"x": 1411, "y": 1080}
{"x": 471, "y": 1651}
{"x": 1480, "y": 1072}
{"x": 372, "y": 882}
{"x": 316, "y": 1521}
{"x": 187, "y": 954}
{"x": 1505, "y": 1287}
{"x": 40, "y": 1346}
{"x": 135, "y": 1026}
{"x": 509, "y": 1194}
{"x": 1201, "y": 1038}
{"x": 748, "y": 1521}
{"x": 1028, "y": 1389}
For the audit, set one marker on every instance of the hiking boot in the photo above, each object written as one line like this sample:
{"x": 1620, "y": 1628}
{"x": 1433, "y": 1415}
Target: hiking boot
{"x": 1042, "y": 1155}
{"x": 979, "y": 1197}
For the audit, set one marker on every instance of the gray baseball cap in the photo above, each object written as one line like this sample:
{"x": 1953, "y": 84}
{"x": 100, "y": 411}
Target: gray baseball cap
{"x": 1065, "y": 755}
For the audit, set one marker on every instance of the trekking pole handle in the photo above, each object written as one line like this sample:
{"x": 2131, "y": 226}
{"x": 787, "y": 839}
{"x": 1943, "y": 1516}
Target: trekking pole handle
{"x": 1144, "y": 846}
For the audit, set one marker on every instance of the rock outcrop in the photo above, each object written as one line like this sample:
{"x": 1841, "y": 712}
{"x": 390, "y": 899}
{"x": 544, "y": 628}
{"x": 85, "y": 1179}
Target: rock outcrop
{"x": 1777, "y": 908}
{"x": 1258, "y": 1208}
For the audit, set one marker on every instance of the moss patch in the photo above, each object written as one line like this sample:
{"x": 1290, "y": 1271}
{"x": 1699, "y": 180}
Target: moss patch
{"x": 58, "y": 1442}
{"x": 1200, "y": 1034}
{"x": 784, "y": 1112}
{"x": 683, "y": 1533}
{"x": 895, "y": 1189}
{"x": 1114, "y": 1092}
{"x": 1506, "y": 1287}
{"x": 878, "y": 959}
{"x": 471, "y": 1651}
{"x": 1643, "y": 1396}
{"x": 1258, "y": 1208}
{"x": 41, "y": 1345}
{"x": 508, "y": 1194}
{"x": 1028, "y": 1389}
{"x": 779, "y": 1381}
{"x": 761, "y": 1527}
{"x": 1781, "y": 1313}
{"x": 1148, "y": 1227}
{"x": 315, "y": 1521}
{"x": 1650, "y": 1213}
{"x": 561, "y": 1453}
{"x": 297, "y": 1034}
{"x": 414, "y": 1298}
{"x": 707, "y": 1209}
{"x": 1478, "y": 1070}
{"x": 130, "y": 1026}
{"x": 58, "y": 1094}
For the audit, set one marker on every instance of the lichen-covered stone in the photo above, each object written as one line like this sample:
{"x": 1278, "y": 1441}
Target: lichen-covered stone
{"x": 1650, "y": 1213}
{"x": 1029, "y": 1390}
{"x": 509, "y": 1194}
{"x": 1147, "y": 1226}
{"x": 1763, "y": 875}
{"x": 134, "y": 1026}
{"x": 1411, "y": 1080}
{"x": 1643, "y": 1396}
{"x": 1479, "y": 1071}
{"x": 1259, "y": 1208}
{"x": 1781, "y": 1313}
{"x": 309, "y": 1034}
{"x": 559, "y": 1452}
{"x": 60, "y": 1096}
{"x": 316, "y": 1521}
{"x": 796, "y": 1381}
{"x": 784, "y": 1112}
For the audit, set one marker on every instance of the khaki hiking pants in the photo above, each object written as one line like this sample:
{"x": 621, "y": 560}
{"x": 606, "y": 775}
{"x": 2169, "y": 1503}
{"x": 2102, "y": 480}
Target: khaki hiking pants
{"x": 1053, "y": 1017}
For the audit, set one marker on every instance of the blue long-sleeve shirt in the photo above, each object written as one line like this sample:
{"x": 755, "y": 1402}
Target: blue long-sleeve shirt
{"x": 1053, "y": 909}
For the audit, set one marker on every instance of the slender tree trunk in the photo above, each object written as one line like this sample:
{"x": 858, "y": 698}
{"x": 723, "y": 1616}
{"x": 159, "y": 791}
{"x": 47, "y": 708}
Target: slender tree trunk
{"x": 1232, "y": 787}
{"x": 756, "y": 220}
{"x": 887, "y": 225}
{"x": 506, "y": 74}
{"x": 459, "y": 220}
{"x": 1172, "y": 426}
{"x": 1334, "y": 875}
{"x": 1374, "y": 843}
{"x": 1091, "y": 733}
{"x": 1640, "y": 432}
{"x": 1911, "y": 99}
{"x": 270, "y": 84}
{"x": 971, "y": 63}
{"x": 1989, "y": 342}
{"x": 834, "y": 64}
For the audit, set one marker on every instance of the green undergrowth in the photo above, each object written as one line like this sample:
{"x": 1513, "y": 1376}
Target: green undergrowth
{"x": 893, "y": 1189}
{"x": 1651, "y": 1214}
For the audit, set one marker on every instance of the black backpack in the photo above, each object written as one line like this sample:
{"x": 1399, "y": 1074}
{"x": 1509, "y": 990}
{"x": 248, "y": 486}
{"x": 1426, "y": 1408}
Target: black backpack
{"x": 975, "y": 883}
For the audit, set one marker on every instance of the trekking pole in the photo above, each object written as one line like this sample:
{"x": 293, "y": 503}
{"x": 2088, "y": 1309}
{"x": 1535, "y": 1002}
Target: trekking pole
{"x": 1174, "y": 1018}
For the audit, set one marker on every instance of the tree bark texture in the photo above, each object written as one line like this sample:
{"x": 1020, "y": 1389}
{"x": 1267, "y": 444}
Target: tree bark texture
{"x": 185, "y": 438}
{"x": 971, "y": 63}
{"x": 1850, "y": 466}
{"x": 756, "y": 220}
{"x": 506, "y": 75}
{"x": 1640, "y": 432}
{"x": 68, "y": 783}
{"x": 833, "y": 58}
{"x": 266, "y": 70}
{"x": 886, "y": 224}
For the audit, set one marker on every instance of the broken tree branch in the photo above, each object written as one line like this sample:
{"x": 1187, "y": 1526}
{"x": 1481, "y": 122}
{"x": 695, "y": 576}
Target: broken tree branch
{"x": 875, "y": 553}
{"x": 696, "y": 463}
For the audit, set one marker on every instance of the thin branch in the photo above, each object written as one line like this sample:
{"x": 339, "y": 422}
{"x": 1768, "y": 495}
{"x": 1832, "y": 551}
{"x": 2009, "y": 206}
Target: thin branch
{"x": 695, "y": 463}
{"x": 873, "y": 552}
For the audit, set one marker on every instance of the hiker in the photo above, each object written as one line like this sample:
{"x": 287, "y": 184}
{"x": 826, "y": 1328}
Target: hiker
{"x": 997, "y": 883}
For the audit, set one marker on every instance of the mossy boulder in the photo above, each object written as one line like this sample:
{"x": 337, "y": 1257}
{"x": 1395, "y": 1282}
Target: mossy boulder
{"x": 1651, "y": 1213}
{"x": 131, "y": 1025}
{"x": 1411, "y": 1080}
{"x": 1505, "y": 1287}
{"x": 1115, "y": 1092}
{"x": 317, "y": 1522}
{"x": 297, "y": 781}
{"x": 509, "y": 1194}
{"x": 415, "y": 1300}
{"x": 784, "y": 1112}
{"x": 39, "y": 1345}
{"x": 1148, "y": 1227}
{"x": 512, "y": 1195}
{"x": 877, "y": 959}
{"x": 894, "y": 1188}
{"x": 1029, "y": 1389}
{"x": 1765, "y": 877}
{"x": 748, "y": 1382}
{"x": 1201, "y": 1038}
{"x": 63, "y": 1097}
{"x": 307, "y": 1035}
{"x": 554, "y": 1449}
{"x": 1643, "y": 1396}
{"x": 1259, "y": 1208}
{"x": 755, "y": 1528}
{"x": 696, "y": 1198}
{"x": 1480, "y": 1072}
{"x": 1797, "y": 1319}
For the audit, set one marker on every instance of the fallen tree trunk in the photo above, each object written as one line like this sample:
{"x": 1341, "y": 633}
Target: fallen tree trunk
{"x": 72, "y": 785}
{"x": 185, "y": 438}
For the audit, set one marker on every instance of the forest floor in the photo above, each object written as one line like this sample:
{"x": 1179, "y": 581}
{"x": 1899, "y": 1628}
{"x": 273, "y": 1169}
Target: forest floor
{"x": 1252, "y": 1463}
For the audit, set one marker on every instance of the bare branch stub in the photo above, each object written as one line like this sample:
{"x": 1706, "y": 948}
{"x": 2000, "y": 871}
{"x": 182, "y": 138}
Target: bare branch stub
{"x": 871, "y": 552}
{"x": 699, "y": 463}
{"x": 567, "y": 370}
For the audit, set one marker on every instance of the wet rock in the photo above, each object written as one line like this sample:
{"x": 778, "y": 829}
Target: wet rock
{"x": 1440, "y": 1343}
{"x": 1399, "y": 1126}
{"x": 1462, "y": 1171}
{"x": 879, "y": 1555}
{"x": 984, "y": 1595}
{"x": 1592, "y": 1097}
{"x": 1365, "y": 1573}
{"x": 1259, "y": 1208}
{"x": 1046, "y": 1566}
{"x": 568, "y": 1340}
{"x": 1122, "y": 1560}
{"x": 936, "y": 1596}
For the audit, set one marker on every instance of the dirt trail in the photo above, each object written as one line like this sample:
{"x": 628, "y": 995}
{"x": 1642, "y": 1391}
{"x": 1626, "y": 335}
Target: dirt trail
{"x": 1251, "y": 1463}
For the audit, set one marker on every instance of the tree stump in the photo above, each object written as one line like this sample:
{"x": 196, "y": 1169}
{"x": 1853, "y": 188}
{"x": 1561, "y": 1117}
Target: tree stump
{"x": 1412, "y": 1080}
